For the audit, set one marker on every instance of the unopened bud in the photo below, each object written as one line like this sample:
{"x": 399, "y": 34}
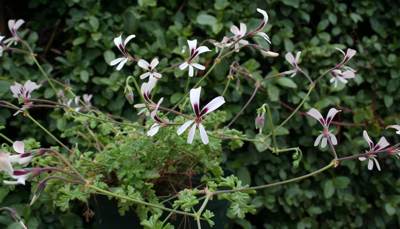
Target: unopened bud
{"x": 129, "y": 94}
{"x": 259, "y": 121}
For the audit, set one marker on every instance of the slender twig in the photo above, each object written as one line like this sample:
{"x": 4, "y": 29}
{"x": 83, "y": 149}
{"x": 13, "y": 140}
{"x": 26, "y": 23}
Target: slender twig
{"x": 257, "y": 86}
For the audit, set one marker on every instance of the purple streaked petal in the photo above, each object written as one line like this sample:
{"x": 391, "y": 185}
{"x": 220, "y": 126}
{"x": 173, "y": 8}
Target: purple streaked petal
{"x": 213, "y": 105}
{"x": 192, "y": 45}
{"x": 195, "y": 100}
{"x": 331, "y": 114}
{"x": 316, "y": 115}
{"x": 382, "y": 144}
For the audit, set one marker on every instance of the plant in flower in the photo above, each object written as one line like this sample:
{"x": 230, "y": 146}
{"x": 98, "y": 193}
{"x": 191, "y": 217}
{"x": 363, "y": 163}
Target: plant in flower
{"x": 145, "y": 164}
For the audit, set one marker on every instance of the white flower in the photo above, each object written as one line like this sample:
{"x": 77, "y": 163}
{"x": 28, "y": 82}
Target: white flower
{"x": 263, "y": 23}
{"x": 87, "y": 98}
{"x": 371, "y": 160}
{"x": 23, "y": 91}
{"x": 373, "y": 150}
{"x": 340, "y": 76}
{"x": 294, "y": 62}
{"x": 158, "y": 122}
{"x": 196, "y": 123}
{"x": 121, "y": 61}
{"x": 22, "y": 157}
{"x": 194, "y": 52}
{"x": 151, "y": 73}
{"x": 326, "y": 136}
{"x": 20, "y": 177}
{"x": 238, "y": 35}
{"x": 13, "y": 26}
{"x": 346, "y": 55}
{"x": 396, "y": 127}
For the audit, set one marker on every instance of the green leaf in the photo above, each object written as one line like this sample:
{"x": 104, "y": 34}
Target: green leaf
{"x": 342, "y": 182}
{"x": 273, "y": 92}
{"x": 221, "y": 4}
{"x": 388, "y": 100}
{"x": 292, "y": 3}
{"x": 329, "y": 189}
{"x": 390, "y": 210}
{"x": 147, "y": 3}
{"x": 209, "y": 20}
{"x": 286, "y": 82}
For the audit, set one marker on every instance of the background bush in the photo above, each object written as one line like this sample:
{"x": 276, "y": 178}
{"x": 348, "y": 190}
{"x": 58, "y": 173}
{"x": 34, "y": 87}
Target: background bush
{"x": 74, "y": 40}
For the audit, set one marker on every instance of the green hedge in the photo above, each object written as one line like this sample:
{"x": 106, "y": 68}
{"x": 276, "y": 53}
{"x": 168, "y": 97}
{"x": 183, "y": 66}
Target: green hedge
{"x": 74, "y": 39}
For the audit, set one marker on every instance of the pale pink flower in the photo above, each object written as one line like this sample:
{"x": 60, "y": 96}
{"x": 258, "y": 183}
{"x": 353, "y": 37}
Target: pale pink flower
{"x": 373, "y": 150}
{"x": 239, "y": 33}
{"x": 23, "y": 92}
{"x": 121, "y": 45}
{"x": 5, "y": 163}
{"x": 294, "y": 62}
{"x": 326, "y": 136}
{"x": 20, "y": 176}
{"x": 13, "y": 26}
{"x": 158, "y": 122}
{"x": 150, "y": 68}
{"x": 341, "y": 76}
{"x": 194, "y": 52}
{"x": 200, "y": 114}
{"x": 21, "y": 157}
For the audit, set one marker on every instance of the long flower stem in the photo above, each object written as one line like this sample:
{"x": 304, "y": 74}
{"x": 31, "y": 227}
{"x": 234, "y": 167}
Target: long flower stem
{"x": 330, "y": 165}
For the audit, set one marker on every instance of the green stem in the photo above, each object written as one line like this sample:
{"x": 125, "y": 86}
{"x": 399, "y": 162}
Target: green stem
{"x": 330, "y": 165}
{"x": 6, "y": 138}
{"x": 312, "y": 86}
{"x": 108, "y": 193}
{"x": 47, "y": 132}
{"x": 33, "y": 55}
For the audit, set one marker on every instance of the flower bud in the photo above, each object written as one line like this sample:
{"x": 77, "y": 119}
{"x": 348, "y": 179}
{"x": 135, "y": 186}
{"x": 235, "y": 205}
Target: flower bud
{"x": 129, "y": 94}
{"x": 259, "y": 121}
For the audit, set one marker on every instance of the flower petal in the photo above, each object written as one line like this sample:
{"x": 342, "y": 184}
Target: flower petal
{"x": 183, "y": 65}
{"x": 195, "y": 100}
{"x": 122, "y": 63}
{"x": 153, "y": 130}
{"x": 144, "y": 64}
{"x": 5, "y": 164}
{"x": 154, "y": 63}
{"x": 18, "y": 24}
{"x": 202, "y": 49}
{"x": 213, "y": 105}
{"x": 191, "y": 71}
{"x": 192, "y": 45}
{"x": 318, "y": 140}
{"x": 396, "y": 127}
{"x": 376, "y": 163}
{"x": 382, "y": 143}
{"x": 316, "y": 115}
{"x": 203, "y": 134}
{"x": 130, "y": 37}
{"x": 331, "y": 114}
{"x": 118, "y": 41}
{"x": 191, "y": 134}
{"x": 235, "y": 30}
{"x": 290, "y": 58}
{"x": 324, "y": 142}
{"x": 368, "y": 139}
{"x": 116, "y": 61}
{"x": 183, "y": 127}
{"x": 144, "y": 75}
{"x": 370, "y": 164}
{"x": 198, "y": 66}
{"x": 19, "y": 147}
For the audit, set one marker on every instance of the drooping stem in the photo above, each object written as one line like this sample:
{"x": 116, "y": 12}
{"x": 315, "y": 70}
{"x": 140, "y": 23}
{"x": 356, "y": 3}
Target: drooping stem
{"x": 137, "y": 201}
